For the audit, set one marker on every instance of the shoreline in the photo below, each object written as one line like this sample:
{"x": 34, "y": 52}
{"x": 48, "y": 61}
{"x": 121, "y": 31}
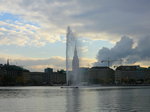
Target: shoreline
{"x": 94, "y": 85}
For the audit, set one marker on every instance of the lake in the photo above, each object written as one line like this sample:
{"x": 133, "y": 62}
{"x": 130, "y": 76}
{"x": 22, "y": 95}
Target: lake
{"x": 84, "y": 99}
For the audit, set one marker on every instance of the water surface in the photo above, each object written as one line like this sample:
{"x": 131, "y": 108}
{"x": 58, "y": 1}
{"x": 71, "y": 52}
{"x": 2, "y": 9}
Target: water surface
{"x": 84, "y": 99}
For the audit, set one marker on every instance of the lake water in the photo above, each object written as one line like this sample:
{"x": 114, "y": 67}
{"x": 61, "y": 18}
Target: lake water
{"x": 84, "y": 99}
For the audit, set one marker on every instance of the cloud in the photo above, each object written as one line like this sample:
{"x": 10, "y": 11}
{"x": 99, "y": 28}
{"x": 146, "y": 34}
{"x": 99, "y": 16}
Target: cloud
{"x": 22, "y": 34}
{"x": 39, "y": 64}
{"x": 35, "y": 64}
{"x": 45, "y": 21}
{"x": 97, "y": 19}
{"x": 87, "y": 62}
{"x": 84, "y": 49}
{"x": 124, "y": 50}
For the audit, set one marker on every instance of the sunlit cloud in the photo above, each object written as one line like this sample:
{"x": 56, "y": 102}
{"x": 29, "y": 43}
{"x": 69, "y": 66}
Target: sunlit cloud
{"x": 25, "y": 34}
{"x": 104, "y": 21}
{"x": 39, "y": 64}
{"x": 37, "y": 23}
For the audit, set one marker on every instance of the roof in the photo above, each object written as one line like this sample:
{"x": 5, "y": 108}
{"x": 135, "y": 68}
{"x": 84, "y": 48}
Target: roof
{"x": 128, "y": 68}
{"x": 13, "y": 68}
{"x": 100, "y": 67}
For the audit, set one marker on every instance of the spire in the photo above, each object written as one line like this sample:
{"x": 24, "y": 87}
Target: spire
{"x": 75, "y": 61}
{"x": 68, "y": 29}
{"x": 75, "y": 52}
{"x": 7, "y": 61}
{"x": 75, "y": 67}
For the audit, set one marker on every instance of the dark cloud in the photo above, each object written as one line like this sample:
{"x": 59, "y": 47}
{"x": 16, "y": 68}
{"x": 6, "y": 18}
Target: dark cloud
{"x": 91, "y": 17}
{"x": 117, "y": 16}
{"x": 143, "y": 48}
{"x": 123, "y": 17}
{"x": 124, "y": 50}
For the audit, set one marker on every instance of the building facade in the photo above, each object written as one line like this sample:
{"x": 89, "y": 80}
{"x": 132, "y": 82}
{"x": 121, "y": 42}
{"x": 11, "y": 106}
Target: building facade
{"x": 131, "y": 75}
{"x": 101, "y": 75}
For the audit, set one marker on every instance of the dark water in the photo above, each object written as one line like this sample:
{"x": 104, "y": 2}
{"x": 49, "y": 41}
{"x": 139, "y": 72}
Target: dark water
{"x": 85, "y": 99}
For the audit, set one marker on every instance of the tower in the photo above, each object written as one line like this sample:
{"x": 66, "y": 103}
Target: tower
{"x": 75, "y": 61}
{"x": 75, "y": 68}
{"x": 7, "y": 61}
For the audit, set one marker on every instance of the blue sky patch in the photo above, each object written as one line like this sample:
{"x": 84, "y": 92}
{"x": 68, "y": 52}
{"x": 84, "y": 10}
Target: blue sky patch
{"x": 9, "y": 16}
{"x": 12, "y": 18}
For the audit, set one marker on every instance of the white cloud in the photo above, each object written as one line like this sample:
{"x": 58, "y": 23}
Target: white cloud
{"x": 103, "y": 19}
{"x": 39, "y": 64}
{"x": 95, "y": 19}
{"x": 25, "y": 34}
{"x": 83, "y": 49}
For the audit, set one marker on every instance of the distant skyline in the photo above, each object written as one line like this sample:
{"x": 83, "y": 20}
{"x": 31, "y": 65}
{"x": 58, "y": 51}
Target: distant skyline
{"x": 33, "y": 32}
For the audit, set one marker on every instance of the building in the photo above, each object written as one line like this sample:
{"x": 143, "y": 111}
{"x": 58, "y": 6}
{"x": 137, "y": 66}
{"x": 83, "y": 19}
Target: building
{"x": 131, "y": 75}
{"x": 48, "y": 72}
{"x": 48, "y": 77}
{"x": 83, "y": 75}
{"x": 101, "y": 75}
{"x": 34, "y": 78}
{"x": 11, "y": 74}
{"x": 58, "y": 78}
{"x": 75, "y": 68}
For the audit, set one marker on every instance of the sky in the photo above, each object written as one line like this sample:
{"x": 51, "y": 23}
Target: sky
{"x": 33, "y": 32}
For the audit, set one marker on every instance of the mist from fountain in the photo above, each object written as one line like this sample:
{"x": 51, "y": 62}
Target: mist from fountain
{"x": 72, "y": 60}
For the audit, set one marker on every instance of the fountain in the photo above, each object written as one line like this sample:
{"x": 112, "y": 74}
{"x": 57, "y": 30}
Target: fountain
{"x": 72, "y": 60}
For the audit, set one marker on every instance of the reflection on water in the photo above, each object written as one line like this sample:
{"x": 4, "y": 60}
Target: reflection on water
{"x": 73, "y": 100}
{"x": 55, "y": 99}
